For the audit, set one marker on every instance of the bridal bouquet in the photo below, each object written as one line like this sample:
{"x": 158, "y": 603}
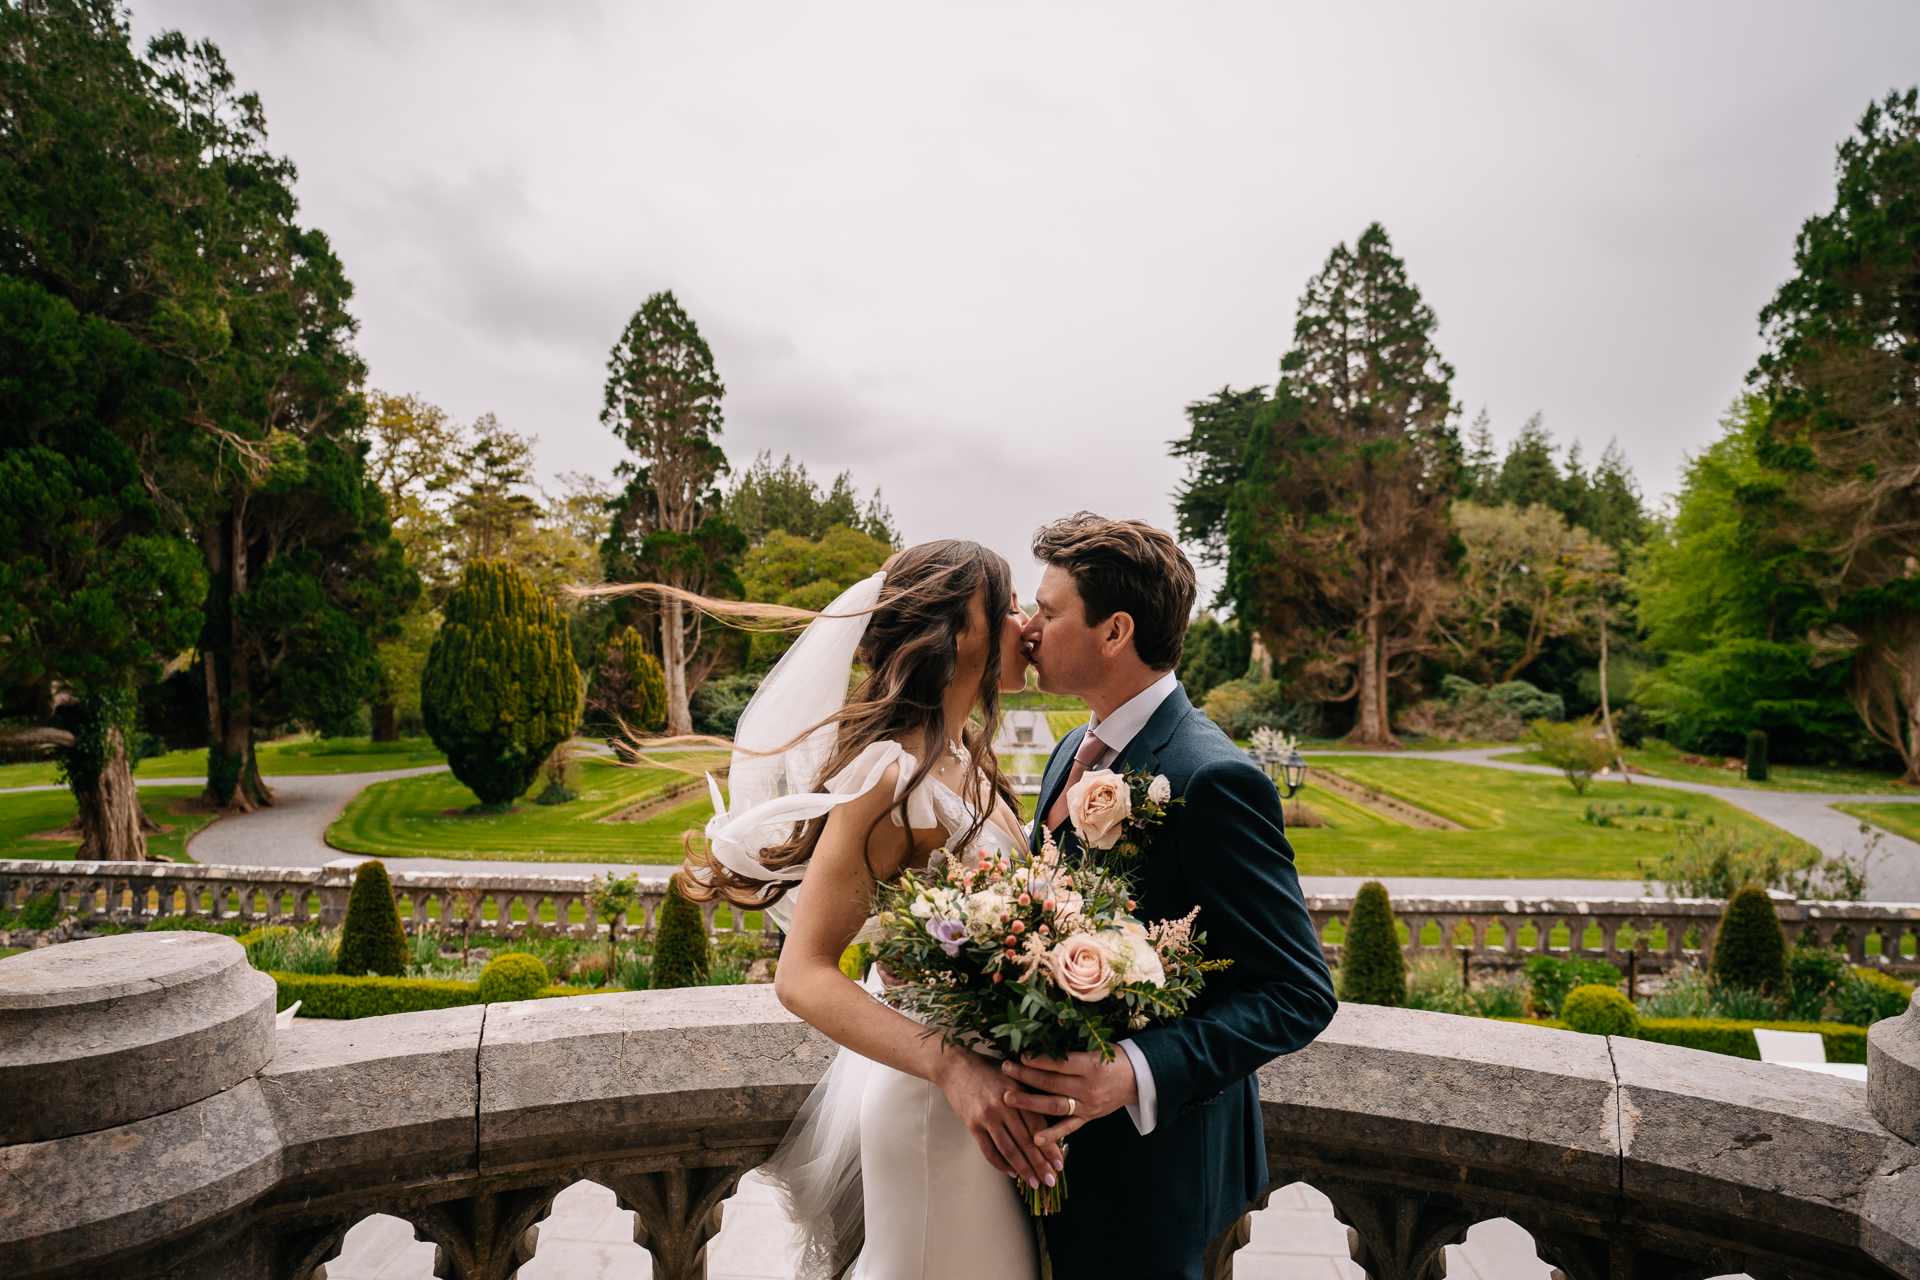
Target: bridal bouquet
{"x": 1020, "y": 954}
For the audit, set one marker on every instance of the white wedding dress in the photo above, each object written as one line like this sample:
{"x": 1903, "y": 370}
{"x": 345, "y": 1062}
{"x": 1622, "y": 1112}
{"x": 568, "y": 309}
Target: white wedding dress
{"x": 877, "y": 1164}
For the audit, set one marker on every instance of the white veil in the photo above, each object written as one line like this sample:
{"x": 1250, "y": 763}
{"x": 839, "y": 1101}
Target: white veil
{"x": 772, "y": 780}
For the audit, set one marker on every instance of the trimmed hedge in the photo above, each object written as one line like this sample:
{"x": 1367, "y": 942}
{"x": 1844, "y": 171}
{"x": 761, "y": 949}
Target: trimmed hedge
{"x": 1373, "y": 969}
{"x": 338, "y": 996}
{"x": 1599, "y": 1010}
{"x": 1734, "y": 1039}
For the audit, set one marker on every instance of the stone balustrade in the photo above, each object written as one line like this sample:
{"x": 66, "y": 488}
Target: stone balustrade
{"x": 127, "y": 893}
{"x": 1661, "y": 931}
{"x": 1624, "y": 1160}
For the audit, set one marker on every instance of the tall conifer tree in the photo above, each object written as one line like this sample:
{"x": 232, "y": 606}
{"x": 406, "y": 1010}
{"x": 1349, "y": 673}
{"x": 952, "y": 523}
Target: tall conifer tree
{"x": 1337, "y": 531}
{"x": 663, "y": 399}
{"x": 1839, "y": 378}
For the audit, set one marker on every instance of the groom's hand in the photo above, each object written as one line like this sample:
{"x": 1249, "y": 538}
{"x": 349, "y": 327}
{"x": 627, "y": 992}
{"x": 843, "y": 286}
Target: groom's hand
{"x": 1079, "y": 1089}
{"x": 1004, "y": 1133}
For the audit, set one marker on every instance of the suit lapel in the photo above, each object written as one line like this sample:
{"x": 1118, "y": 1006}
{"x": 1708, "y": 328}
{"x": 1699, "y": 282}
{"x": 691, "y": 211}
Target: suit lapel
{"x": 1056, "y": 776}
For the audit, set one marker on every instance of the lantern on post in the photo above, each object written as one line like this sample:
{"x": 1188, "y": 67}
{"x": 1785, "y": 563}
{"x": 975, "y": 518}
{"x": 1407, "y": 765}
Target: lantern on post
{"x": 1288, "y": 769}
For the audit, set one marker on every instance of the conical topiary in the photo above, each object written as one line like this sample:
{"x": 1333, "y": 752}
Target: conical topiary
{"x": 1750, "y": 951}
{"x": 679, "y": 942}
{"x": 1373, "y": 970}
{"x": 371, "y": 939}
{"x": 1757, "y": 756}
{"x": 500, "y": 690}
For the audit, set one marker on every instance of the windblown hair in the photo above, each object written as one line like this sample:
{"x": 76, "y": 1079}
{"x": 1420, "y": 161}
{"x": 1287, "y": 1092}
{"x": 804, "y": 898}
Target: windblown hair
{"x": 911, "y": 655}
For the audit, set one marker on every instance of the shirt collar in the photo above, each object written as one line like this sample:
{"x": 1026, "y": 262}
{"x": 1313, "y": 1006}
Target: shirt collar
{"x": 1125, "y": 724}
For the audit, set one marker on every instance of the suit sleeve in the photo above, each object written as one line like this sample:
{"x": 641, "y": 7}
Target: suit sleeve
{"x": 1277, "y": 996}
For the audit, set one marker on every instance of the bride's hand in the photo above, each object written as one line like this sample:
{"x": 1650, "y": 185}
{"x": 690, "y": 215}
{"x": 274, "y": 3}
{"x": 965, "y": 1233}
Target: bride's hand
{"x": 978, "y": 1094}
{"x": 1073, "y": 1090}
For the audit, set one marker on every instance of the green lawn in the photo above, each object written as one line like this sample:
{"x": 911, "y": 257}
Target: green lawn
{"x": 1901, "y": 819}
{"x": 410, "y": 817}
{"x": 1520, "y": 825}
{"x": 22, "y": 815}
{"x": 1812, "y": 779}
{"x": 303, "y": 755}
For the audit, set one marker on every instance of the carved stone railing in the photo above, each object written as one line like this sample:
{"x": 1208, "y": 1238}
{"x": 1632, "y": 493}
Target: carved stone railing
{"x": 139, "y": 893}
{"x": 1625, "y": 1160}
{"x": 1685, "y": 926}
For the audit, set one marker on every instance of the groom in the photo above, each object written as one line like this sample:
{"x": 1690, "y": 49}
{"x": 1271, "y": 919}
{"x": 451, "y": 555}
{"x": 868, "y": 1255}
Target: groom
{"x": 1172, "y": 1150}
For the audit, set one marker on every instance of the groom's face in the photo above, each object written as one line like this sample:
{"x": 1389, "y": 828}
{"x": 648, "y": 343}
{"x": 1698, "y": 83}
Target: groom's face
{"x": 1069, "y": 654}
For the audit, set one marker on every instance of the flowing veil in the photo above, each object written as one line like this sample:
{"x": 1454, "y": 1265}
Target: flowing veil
{"x": 773, "y": 780}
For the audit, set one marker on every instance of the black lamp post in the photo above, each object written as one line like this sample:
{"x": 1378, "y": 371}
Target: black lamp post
{"x": 1288, "y": 771}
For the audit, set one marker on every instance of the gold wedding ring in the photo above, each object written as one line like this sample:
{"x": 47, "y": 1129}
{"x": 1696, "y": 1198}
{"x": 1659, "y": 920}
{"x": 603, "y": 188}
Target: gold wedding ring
{"x": 1073, "y": 1104}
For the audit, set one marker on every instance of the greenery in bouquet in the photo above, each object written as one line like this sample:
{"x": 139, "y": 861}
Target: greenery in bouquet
{"x": 1019, "y": 955}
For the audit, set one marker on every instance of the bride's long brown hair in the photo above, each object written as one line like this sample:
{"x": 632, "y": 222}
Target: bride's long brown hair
{"x": 911, "y": 653}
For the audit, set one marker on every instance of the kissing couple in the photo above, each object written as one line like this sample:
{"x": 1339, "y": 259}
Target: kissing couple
{"x": 906, "y": 1161}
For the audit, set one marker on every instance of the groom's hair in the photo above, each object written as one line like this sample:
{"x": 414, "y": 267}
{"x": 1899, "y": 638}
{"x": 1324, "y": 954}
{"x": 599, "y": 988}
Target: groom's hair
{"x": 1130, "y": 567}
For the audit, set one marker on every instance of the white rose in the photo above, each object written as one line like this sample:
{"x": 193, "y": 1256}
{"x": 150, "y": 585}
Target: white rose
{"x": 1160, "y": 790}
{"x": 1133, "y": 954}
{"x": 1099, "y": 804}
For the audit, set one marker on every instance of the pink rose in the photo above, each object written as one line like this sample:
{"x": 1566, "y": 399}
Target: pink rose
{"x": 1083, "y": 967}
{"x": 1098, "y": 804}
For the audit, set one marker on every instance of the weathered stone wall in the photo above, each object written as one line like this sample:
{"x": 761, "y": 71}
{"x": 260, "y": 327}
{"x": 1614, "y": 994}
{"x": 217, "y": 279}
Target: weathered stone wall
{"x": 1623, "y": 1159}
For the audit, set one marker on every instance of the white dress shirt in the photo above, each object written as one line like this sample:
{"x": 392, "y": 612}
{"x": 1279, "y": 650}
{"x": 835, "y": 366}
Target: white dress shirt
{"x": 1116, "y": 732}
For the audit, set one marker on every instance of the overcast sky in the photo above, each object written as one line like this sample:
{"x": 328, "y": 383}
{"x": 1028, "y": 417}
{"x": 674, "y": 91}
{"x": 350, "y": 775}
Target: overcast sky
{"x": 983, "y": 254}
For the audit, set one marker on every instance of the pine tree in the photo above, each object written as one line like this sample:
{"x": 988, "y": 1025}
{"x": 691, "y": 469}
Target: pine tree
{"x": 1481, "y": 470}
{"x": 371, "y": 937}
{"x": 679, "y": 942}
{"x": 1373, "y": 969}
{"x": 500, "y": 690}
{"x": 1337, "y": 532}
{"x": 1750, "y": 950}
{"x": 1216, "y": 452}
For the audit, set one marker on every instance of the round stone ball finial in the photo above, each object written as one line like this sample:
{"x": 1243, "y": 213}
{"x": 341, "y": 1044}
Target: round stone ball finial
{"x": 103, "y": 1032}
{"x": 1893, "y": 1071}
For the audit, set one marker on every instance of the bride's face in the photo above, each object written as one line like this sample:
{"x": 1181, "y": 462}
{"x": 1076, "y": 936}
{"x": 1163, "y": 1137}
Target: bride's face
{"x": 972, "y": 645}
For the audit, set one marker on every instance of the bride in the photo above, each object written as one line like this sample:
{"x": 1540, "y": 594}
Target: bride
{"x": 904, "y": 1154}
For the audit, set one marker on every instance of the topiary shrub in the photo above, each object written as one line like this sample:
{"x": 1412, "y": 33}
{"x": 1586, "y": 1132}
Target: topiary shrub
{"x": 514, "y": 976}
{"x": 1750, "y": 951}
{"x": 1756, "y": 756}
{"x": 1550, "y": 978}
{"x": 500, "y": 690}
{"x": 1373, "y": 969}
{"x": 679, "y": 943}
{"x": 1600, "y": 1011}
{"x": 629, "y": 689}
{"x": 371, "y": 939}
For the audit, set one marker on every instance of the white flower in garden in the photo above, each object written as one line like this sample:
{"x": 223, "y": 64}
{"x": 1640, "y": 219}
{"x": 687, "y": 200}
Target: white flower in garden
{"x": 1159, "y": 791}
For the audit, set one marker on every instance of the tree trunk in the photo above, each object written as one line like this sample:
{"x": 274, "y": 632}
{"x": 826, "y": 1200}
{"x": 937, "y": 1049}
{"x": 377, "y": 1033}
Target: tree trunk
{"x": 673, "y": 661}
{"x": 1371, "y": 726}
{"x": 110, "y": 821}
{"x": 386, "y": 723}
{"x": 229, "y": 678}
{"x": 1606, "y": 712}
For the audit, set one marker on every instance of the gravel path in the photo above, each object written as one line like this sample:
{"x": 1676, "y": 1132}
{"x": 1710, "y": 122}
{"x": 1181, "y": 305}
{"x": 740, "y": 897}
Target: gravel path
{"x": 1893, "y": 877}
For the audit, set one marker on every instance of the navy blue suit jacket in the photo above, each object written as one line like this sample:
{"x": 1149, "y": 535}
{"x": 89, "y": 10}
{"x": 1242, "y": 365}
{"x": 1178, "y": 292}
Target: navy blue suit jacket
{"x": 1144, "y": 1206}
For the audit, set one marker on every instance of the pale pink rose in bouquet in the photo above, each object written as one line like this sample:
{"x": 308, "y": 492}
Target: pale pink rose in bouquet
{"x": 1099, "y": 805}
{"x": 1082, "y": 966}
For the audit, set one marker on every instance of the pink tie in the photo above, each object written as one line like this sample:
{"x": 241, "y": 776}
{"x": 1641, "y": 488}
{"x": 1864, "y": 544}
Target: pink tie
{"x": 1091, "y": 749}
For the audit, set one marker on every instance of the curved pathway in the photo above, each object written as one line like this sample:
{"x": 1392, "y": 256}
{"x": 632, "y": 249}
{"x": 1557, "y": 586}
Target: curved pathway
{"x": 1893, "y": 877}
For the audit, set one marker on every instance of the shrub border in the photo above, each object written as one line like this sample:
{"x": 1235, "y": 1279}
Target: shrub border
{"x": 336, "y": 996}
{"x": 1733, "y": 1038}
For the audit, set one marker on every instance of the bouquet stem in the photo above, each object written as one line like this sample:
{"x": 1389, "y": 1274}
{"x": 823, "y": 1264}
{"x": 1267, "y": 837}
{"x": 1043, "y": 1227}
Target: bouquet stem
{"x": 1043, "y": 1200}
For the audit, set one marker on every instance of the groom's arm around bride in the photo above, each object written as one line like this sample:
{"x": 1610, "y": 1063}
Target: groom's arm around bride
{"x": 1167, "y": 1143}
